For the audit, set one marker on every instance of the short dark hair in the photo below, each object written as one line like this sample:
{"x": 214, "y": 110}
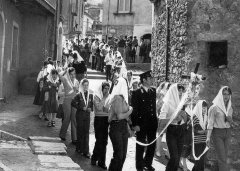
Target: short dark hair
{"x": 75, "y": 56}
{"x": 85, "y": 81}
{"x": 45, "y": 63}
{"x": 51, "y": 62}
{"x": 49, "y": 58}
{"x": 54, "y": 71}
{"x": 228, "y": 89}
{"x": 105, "y": 84}
{"x": 71, "y": 69}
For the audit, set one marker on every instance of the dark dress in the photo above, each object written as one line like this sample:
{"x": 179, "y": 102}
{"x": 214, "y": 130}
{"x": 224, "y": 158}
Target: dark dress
{"x": 199, "y": 145}
{"x": 50, "y": 104}
{"x": 39, "y": 97}
{"x": 144, "y": 116}
{"x": 83, "y": 122}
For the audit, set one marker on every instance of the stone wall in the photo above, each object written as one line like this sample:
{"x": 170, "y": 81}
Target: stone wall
{"x": 193, "y": 24}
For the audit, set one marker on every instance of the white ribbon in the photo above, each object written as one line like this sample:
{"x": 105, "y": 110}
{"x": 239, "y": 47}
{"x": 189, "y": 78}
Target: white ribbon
{"x": 180, "y": 105}
{"x": 193, "y": 143}
{"x": 86, "y": 102}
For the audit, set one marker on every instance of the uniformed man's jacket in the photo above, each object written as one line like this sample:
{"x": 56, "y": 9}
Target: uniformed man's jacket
{"x": 144, "y": 108}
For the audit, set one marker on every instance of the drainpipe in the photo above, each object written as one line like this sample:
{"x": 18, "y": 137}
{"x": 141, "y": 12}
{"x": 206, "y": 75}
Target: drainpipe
{"x": 167, "y": 41}
{"x": 56, "y": 30}
{"x": 108, "y": 19}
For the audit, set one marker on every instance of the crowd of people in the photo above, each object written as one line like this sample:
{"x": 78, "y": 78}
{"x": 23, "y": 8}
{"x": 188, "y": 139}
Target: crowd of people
{"x": 93, "y": 51}
{"x": 125, "y": 107}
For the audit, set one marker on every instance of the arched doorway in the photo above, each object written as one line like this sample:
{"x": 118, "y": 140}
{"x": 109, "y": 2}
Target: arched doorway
{"x": 2, "y": 43}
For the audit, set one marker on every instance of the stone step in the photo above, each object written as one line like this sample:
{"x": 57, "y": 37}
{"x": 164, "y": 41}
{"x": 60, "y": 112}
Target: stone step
{"x": 50, "y": 148}
{"x": 51, "y": 162}
{"x": 45, "y": 139}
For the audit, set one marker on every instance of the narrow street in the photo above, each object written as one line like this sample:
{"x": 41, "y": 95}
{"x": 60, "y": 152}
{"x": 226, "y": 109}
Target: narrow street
{"x": 20, "y": 118}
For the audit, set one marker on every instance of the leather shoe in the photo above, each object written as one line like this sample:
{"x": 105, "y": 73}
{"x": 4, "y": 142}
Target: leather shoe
{"x": 103, "y": 166}
{"x": 149, "y": 168}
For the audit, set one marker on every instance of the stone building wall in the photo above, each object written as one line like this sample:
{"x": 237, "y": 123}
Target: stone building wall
{"x": 194, "y": 25}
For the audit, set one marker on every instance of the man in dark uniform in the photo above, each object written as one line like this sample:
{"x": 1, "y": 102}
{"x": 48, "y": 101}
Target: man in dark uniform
{"x": 144, "y": 121}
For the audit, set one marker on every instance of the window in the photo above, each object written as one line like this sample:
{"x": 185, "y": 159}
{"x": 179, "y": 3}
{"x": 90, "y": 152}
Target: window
{"x": 14, "y": 56}
{"x": 218, "y": 54}
{"x": 124, "y": 6}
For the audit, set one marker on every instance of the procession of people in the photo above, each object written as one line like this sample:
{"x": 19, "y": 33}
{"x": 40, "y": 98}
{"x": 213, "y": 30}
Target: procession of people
{"x": 125, "y": 107}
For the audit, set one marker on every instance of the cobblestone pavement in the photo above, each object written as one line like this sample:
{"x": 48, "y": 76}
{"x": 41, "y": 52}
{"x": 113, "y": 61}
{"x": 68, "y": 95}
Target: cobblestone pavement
{"x": 20, "y": 117}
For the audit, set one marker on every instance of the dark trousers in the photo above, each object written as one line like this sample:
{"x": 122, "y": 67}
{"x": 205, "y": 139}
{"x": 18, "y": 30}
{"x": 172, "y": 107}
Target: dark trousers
{"x": 108, "y": 72}
{"x": 174, "y": 137}
{"x": 94, "y": 62}
{"x": 102, "y": 63}
{"x": 199, "y": 164}
{"x": 119, "y": 137}
{"x": 101, "y": 135}
{"x": 83, "y": 126}
{"x": 146, "y": 160}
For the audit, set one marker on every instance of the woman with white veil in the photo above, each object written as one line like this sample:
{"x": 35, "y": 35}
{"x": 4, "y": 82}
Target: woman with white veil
{"x": 200, "y": 133}
{"x": 79, "y": 65}
{"x": 161, "y": 92}
{"x": 219, "y": 125}
{"x": 174, "y": 134}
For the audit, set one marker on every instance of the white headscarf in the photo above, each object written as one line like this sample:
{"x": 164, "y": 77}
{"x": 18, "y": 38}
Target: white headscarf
{"x": 120, "y": 88}
{"x": 197, "y": 111}
{"x": 172, "y": 96}
{"x": 79, "y": 58}
{"x": 218, "y": 101}
{"x": 50, "y": 78}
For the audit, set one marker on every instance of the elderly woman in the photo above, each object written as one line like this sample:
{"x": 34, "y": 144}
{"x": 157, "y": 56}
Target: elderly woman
{"x": 101, "y": 125}
{"x": 219, "y": 125}
{"x": 175, "y": 130}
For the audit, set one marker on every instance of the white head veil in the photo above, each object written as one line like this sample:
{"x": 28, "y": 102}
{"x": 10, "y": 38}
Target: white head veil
{"x": 120, "y": 88}
{"x": 50, "y": 78}
{"x": 79, "y": 58}
{"x": 172, "y": 96}
{"x": 218, "y": 101}
{"x": 197, "y": 111}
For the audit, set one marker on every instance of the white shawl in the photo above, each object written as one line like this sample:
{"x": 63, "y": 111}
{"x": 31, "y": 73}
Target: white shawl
{"x": 120, "y": 88}
{"x": 218, "y": 101}
{"x": 79, "y": 58}
{"x": 197, "y": 111}
{"x": 172, "y": 97}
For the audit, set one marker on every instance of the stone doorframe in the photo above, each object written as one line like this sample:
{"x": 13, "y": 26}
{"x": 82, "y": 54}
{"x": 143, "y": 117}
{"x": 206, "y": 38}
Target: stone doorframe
{"x": 2, "y": 54}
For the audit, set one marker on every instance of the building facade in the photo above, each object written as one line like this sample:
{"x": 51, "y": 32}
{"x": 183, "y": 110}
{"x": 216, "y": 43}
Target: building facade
{"x": 96, "y": 13}
{"x": 127, "y": 17}
{"x": 187, "y": 32}
{"x": 26, "y": 39}
{"x": 88, "y": 21}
